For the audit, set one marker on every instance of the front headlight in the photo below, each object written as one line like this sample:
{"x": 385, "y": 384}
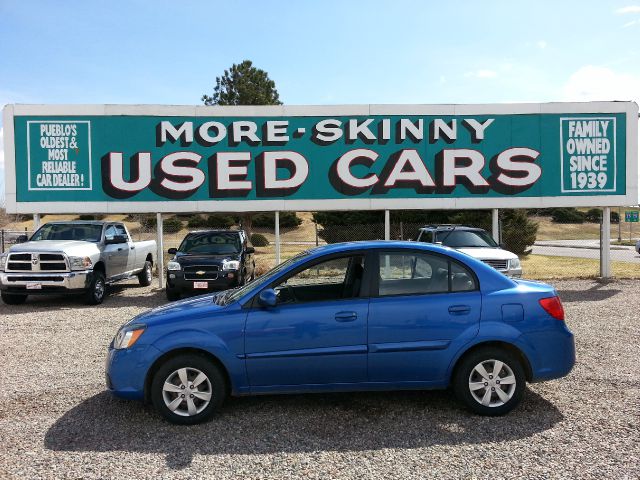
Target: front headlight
{"x": 514, "y": 264}
{"x": 230, "y": 265}
{"x": 127, "y": 336}
{"x": 80, "y": 263}
{"x": 3, "y": 261}
{"x": 172, "y": 266}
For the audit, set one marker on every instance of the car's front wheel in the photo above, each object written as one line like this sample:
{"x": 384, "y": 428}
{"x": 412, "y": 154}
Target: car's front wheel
{"x": 490, "y": 381}
{"x": 13, "y": 299}
{"x": 97, "y": 289}
{"x": 188, "y": 389}
{"x": 145, "y": 277}
{"x": 172, "y": 294}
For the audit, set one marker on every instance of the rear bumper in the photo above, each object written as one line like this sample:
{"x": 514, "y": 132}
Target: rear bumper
{"x": 555, "y": 352}
{"x": 48, "y": 283}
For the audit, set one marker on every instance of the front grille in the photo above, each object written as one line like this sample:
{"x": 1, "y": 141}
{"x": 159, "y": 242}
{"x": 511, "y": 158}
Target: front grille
{"x": 36, "y": 262}
{"x": 201, "y": 272}
{"x": 35, "y": 278}
{"x": 497, "y": 264}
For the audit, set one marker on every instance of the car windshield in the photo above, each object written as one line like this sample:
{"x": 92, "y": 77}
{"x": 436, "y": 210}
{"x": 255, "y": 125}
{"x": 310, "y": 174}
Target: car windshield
{"x": 212, "y": 243}
{"x": 86, "y": 232}
{"x": 466, "y": 238}
{"x": 230, "y": 296}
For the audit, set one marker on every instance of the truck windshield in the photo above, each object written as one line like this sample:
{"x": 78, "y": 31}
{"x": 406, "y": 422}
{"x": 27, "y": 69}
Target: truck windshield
{"x": 219, "y": 243}
{"x": 466, "y": 239}
{"x": 86, "y": 232}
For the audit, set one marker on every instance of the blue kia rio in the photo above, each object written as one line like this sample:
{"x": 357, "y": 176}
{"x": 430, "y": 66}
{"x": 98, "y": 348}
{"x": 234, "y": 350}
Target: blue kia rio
{"x": 348, "y": 317}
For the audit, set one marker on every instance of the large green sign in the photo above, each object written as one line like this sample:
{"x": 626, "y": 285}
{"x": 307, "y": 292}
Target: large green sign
{"x": 125, "y": 159}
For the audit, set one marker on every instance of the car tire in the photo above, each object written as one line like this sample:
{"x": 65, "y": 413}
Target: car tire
{"x": 145, "y": 277}
{"x": 13, "y": 299}
{"x": 168, "y": 385}
{"x": 97, "y": 289}
{"x": 172, "y": 294}
{"x": 489, "y": 381}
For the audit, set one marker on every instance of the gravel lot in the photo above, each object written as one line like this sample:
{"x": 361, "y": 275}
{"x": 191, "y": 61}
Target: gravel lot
{"x": 57, "y": 421}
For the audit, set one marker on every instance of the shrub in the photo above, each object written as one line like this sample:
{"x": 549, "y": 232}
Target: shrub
{"x": 267, "y": 220}
{"x": 259, "y": 240}
{"x": 148, "y": 222}
{"x": 217, "y": 220}
{"x": 90, "y": 217}
{"x": 593, "y": 215}
{"x": 171, "y": 225}
{"x": 518, "y": 232}
{"x": 196, "y": 221}
{"x": 567, "y": 215}
{"x": 615, "y": 217}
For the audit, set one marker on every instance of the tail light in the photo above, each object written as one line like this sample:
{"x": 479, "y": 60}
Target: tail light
{"x": 553, "y": 306}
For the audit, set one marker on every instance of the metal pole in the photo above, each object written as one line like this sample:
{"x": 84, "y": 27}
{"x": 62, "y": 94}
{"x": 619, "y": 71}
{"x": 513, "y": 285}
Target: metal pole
{"x": 619, "y": 227}
{"x": 316, "y": 228}
{"x": 387, "y": 225}
{"x": 495, "y": 224}
{"x": 36, "y": 221}
{"x": 277, "y": 228}
{"x": 160, "y": 254}
{"x": 605, "y": 243}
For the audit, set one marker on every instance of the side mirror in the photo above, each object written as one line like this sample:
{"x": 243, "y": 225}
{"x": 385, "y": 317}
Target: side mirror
{"x": 115, "y": 240}
{"x": 249, "y": 250}
{"x": 172, "y": 251}
{"x": 22, "y": 238}
{"x": 501, "y": 245}
{"x": 268, "y": 298}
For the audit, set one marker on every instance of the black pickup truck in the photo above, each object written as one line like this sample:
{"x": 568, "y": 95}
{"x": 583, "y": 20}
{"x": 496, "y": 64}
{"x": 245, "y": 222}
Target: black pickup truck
{"x": 209, "y": 260}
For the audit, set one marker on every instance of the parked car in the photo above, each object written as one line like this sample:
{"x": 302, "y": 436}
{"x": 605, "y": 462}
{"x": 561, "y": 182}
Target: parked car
{"x": 79, "y": 258}
{"x": 346, "y": 317}
{"x": 475, "y": 242}
{"x": 210, "y": 260}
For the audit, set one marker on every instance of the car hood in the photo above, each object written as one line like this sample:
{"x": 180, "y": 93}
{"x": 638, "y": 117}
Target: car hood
{"x": 488, "y": 253}
{"x": 70, "y": 247}
{"x": 181, "y": 310}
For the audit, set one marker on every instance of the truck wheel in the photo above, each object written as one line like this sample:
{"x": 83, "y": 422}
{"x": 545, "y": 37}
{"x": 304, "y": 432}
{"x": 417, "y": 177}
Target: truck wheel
{"x": 97, "y": 290}
{"x": 188, "y": 389}
{"x": 172, "y": 295}
{"x": 13, "y": 299}
{"x": 145, "y": 277}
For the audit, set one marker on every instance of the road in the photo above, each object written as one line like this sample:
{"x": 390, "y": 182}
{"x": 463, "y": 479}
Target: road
{"x": 584, "y": 249}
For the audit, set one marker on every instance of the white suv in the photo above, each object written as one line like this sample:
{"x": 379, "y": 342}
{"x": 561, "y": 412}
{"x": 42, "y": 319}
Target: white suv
{"x": 475, "y": 242}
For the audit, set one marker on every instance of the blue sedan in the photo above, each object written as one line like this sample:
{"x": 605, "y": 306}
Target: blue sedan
{"x": 348, "y": 317}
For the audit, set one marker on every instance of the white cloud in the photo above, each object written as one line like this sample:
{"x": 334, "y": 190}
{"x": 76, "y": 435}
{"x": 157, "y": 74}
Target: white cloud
{"x": 541, "y": 44}
{"x": 628, "y": 9}
{"x": 592, "y": 82}
{"x": 631, "y": 23}
{"x": 482, "y": 73}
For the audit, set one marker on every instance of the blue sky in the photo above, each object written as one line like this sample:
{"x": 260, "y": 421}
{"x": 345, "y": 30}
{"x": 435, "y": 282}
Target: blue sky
{"x": 323, "y": 52}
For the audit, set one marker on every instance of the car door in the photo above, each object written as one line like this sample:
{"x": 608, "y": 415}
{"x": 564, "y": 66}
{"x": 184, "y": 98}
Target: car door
{"x": 427, "y": 305}
{"x": 134, "y": 262}
{"x": 317, "y": 332}
{"x": 116, "y": 254}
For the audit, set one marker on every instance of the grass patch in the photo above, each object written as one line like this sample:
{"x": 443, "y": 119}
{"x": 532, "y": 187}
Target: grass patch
{"x": 546, "y": 267}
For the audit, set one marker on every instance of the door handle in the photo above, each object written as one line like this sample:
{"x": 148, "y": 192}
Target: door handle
{"x": 459, "y": 309}
{"x": 133, "y": 247}
{"x": 346, "y": 316}
{"x": 120, "y": 249}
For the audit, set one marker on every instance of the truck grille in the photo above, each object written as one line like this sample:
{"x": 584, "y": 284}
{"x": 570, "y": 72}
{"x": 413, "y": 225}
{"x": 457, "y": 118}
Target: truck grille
{"x": 201, "y": 272}
{"x": 497, "y": 264}
{"x": 36, "y": 262}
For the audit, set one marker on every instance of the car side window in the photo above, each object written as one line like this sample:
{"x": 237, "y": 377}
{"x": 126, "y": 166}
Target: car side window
{"x": 333, "y": 279}
{"x": 421, "y": 273}
{"x": 120, "y": 230}
{"x": 110, "y": 232}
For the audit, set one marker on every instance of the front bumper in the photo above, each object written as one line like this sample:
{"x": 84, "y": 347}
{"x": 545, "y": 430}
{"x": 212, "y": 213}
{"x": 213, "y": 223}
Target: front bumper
{"x": 45, "y": 283}
{"x": 225, "y": 280}
{"x": 126, "y": 370}
{"x": 514, "y": 272}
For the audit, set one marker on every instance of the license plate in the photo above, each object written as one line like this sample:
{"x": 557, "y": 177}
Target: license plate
{"x": 34, "y": 286}
{"x": 200, "y": 284}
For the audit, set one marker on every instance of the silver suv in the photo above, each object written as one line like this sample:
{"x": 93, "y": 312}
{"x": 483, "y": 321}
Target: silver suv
{"x": 475, "y": 242}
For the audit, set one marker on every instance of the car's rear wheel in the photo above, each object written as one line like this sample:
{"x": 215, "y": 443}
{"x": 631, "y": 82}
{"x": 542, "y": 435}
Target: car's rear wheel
{"x": 490, "y": 381}
{"x": 13, "y": 299}
{"x": 145, "y": 277}
{"x": 188, "y": 389}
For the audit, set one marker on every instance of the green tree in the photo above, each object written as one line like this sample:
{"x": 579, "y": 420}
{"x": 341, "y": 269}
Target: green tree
{"x": 244, "y": 84}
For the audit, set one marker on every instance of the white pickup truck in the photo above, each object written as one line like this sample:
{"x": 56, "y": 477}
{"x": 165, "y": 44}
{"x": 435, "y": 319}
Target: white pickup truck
{"x": 74, "y": 257}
